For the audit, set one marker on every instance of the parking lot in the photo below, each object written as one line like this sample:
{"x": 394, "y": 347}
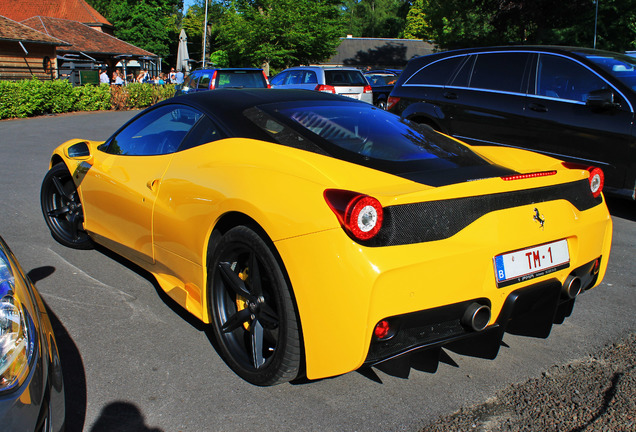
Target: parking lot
{"x": 132, "y": 357}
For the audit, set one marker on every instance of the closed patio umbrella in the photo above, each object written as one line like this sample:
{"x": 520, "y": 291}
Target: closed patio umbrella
{"x": 182, "y": 53}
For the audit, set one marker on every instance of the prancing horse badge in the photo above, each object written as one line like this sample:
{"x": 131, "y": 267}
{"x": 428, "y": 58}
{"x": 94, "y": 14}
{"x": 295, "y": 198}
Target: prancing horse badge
{"x": 539, "y": 217}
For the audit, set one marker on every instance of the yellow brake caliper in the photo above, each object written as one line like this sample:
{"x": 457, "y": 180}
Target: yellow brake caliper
{"x": 241, "y": 302}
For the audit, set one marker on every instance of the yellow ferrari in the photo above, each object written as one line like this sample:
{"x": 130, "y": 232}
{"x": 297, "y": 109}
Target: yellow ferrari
{"x": 317, "y": 234}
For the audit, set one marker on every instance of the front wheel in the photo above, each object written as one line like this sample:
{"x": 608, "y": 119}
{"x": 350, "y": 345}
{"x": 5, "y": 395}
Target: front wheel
{"x": 253, "y": 315}
{"x": 62, "y": 208}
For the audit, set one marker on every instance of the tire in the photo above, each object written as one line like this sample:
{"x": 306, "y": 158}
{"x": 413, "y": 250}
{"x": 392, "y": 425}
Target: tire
{"x": 253, "y": 315}
{"x": 382, "y": 104}
{"x": 62, "y": 209}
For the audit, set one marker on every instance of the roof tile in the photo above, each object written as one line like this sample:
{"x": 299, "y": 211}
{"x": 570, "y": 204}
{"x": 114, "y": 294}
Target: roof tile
{"x": 76, "y": 10}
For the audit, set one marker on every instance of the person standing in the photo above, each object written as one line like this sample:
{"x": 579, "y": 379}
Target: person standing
{"x": 103, "y": 77}
{"x": 172, "y": 77}
{"x": 179, "y": 77}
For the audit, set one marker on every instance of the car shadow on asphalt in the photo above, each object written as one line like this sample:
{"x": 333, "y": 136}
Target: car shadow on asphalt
{"x": 121, "y": 417}
{"x": 72, "y": 364}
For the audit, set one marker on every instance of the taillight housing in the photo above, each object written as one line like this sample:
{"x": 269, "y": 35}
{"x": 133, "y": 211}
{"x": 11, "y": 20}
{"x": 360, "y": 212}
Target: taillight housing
{"x": 360, "y": 215}
{"x": 213, "y": 81}
{"x": 596, "y": 178}
{"x": 325, "y": 88}
{"x": 367, "y": 89}
{"x": 391, "y": 102}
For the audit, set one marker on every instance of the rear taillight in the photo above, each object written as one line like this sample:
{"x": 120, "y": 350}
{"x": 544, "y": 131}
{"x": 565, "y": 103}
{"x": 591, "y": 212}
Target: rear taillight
{"x": 266, "y": 80}
{"x": 360, "y": 215}
{"x": 529, "y": 175}
{"x": 391, "y": 102}
{"x": 213, "y": 81}
{"x": 596, "y": 179}
{"x": 367, "y": 89}
{"x": 325, "y": 88}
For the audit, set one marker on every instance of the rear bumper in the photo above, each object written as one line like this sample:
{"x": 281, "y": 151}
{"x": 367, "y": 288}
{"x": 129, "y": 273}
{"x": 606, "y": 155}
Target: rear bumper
{"x": 528, "y": 311}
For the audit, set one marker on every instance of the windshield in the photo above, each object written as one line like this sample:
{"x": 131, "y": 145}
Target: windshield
{"x": 369, "y": 136}
{"x": 621, "y": 66}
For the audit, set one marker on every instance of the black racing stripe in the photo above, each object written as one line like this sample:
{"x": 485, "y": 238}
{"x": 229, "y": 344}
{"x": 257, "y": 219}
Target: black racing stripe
{"x": 437, "y": 220}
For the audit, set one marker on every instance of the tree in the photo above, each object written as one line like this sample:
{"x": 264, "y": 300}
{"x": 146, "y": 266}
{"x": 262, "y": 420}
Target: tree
{"x": 148, "y": 24}
{"x": 375, "y": 18}
{"x": 280, "y": 33}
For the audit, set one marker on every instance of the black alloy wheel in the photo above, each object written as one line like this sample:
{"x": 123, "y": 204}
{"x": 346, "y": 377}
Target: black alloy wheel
{"x": 62, "y": 208}
{"x": 253, "y": 314}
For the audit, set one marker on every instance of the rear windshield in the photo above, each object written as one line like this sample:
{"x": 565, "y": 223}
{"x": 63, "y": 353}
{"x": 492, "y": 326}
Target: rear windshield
{"x": 344, "y": 77}
{"x": 241, "y": 79}
{"x": 363, "y": 134}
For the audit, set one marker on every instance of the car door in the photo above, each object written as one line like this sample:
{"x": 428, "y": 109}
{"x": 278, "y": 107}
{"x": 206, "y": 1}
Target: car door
{"x": 561, "y": 124}
{"x": 120, "y": 188}
{"x": 485, "y": 101}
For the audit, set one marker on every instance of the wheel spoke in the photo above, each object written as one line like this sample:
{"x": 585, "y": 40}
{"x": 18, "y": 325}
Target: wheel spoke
{"x": 76, "y": 223}
{"x": 267, "y": 316}
{"x": 255, "y": 276}
{"x": 59, "y": 211}
{"x": 232, "y": 280}
{"x": 236, "y": 320}
{"x": 60, "y": 188}
{"x": 256, "y": 330}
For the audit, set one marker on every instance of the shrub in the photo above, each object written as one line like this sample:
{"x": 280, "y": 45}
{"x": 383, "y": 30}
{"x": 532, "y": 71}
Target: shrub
{"x": 34, "y": 97}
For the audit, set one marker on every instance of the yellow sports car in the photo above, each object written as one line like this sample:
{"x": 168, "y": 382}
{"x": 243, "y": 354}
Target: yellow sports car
{"x": 317, "y": 234}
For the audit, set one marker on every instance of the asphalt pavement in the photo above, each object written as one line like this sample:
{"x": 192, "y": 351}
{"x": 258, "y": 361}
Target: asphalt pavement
{"x": 134, "y": 360}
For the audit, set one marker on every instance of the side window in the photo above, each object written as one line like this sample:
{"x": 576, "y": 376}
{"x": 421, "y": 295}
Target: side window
{"x": 437, "y": 73}
{"x": 295, "y": 77}
{"x": 279, "y": 79}
{"x": 203, "y": 132}
{"x": 310, "y": 78}
{"x": 158, "y": 132}
{"x": 191, "y": 82}
{"x": 204, "y": 82}
{"x": 562, "y": 78}
{"x": 500, "y": 71}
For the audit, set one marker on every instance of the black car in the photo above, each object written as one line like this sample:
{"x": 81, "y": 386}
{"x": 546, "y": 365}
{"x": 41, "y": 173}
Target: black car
{"x": 576, "y": 104}
{"x": 382, "y": 82}
{"x": 215, "y": 78}
{"x": 31, "y": 383}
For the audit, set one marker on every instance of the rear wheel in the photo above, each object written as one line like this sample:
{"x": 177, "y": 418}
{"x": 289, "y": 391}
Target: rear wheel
{"x": 62, "y": 208}
{"x": 253, "y": 314}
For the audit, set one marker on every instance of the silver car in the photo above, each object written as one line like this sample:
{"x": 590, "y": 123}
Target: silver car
{"x": 344, "y": 81}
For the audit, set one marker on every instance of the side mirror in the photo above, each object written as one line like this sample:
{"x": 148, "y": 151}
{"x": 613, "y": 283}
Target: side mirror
{"x": 601, "y": 100}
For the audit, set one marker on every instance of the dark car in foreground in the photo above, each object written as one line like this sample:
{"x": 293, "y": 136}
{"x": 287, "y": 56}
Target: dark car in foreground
{"x": 215, "y": 78}
{"x": 576, "y": 104}
{"x": 31, "y": 384}
{"x": 382, "y": 82}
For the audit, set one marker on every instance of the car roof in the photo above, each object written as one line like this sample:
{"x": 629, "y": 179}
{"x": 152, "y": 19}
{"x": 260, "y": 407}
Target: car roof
{"x": 558, "y": 49}
{"x": 227, "y": 104}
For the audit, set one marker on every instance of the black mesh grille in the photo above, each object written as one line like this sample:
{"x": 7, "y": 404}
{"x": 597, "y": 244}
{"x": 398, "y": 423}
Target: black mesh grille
{"x": 437, "y": 220}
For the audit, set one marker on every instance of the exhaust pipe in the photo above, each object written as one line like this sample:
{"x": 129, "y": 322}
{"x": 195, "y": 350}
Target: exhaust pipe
{"x": 476, "y": 317}
{"x": 571, "y": 287}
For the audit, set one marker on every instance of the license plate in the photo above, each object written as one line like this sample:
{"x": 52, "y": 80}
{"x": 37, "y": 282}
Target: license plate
{"x": 351, "y": 95}
{"x": 529, "y": 263}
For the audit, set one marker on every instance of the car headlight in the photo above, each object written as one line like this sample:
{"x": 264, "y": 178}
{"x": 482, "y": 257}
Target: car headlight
{"x": 17, "y": 330}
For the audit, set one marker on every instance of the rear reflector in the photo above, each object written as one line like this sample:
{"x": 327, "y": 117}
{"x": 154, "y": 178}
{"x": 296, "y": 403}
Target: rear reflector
{"x": 529, "y": 175}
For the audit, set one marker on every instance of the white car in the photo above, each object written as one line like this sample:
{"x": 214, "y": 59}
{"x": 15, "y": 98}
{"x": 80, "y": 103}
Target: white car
{"x": 344, "y": 81}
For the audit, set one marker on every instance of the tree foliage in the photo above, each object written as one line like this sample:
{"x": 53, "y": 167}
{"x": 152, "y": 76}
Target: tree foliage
{"x": 152, "y": 25}
{"x": 375, "y": 18}
{"x": 279, "y": 33}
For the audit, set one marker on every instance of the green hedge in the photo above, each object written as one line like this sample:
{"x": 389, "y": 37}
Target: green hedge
{"x": 34, "y": 97}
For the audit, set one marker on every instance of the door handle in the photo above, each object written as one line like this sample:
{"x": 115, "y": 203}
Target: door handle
{"x": 450, "y": 95}
{"x": 538, "y": 107}
{"x": 152, "y": 184}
